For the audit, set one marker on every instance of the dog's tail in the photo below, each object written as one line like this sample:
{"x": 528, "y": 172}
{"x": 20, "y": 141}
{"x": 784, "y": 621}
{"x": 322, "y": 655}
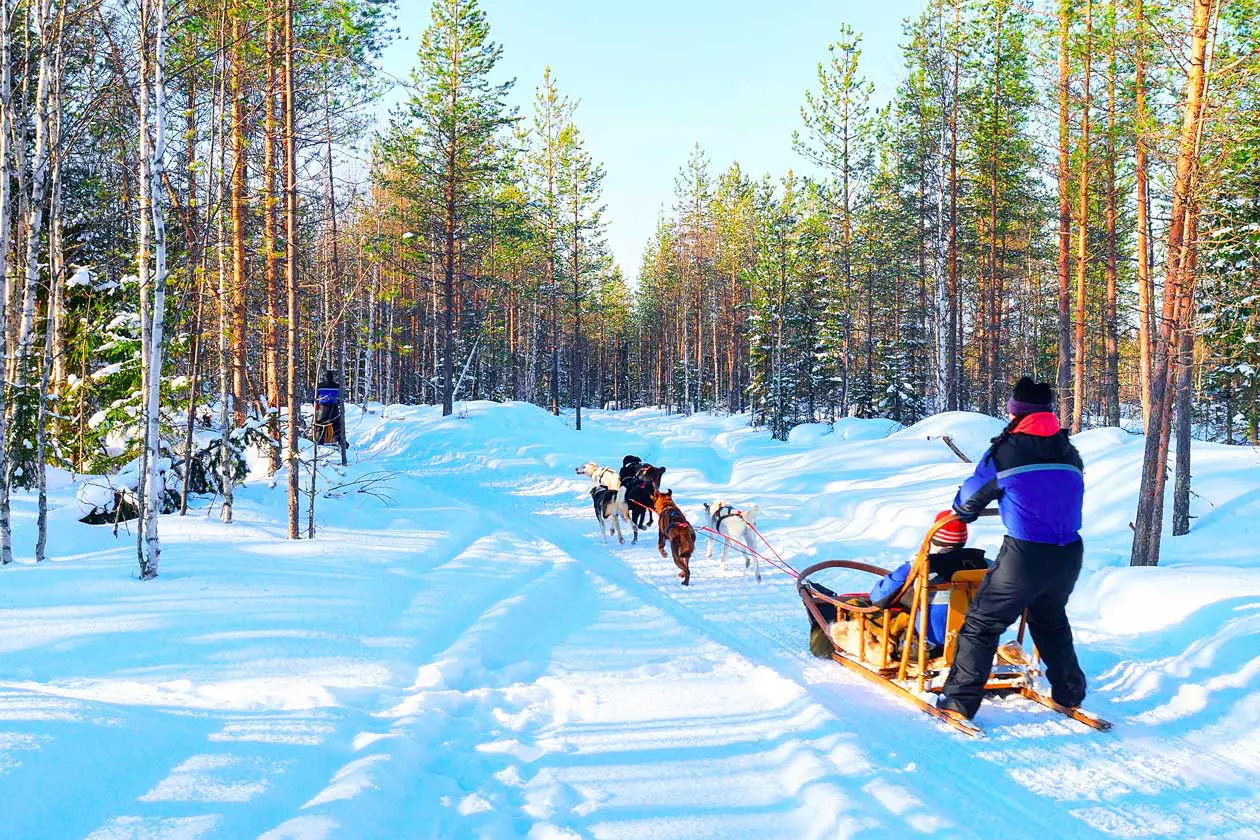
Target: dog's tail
{"x": 750, "y": 515}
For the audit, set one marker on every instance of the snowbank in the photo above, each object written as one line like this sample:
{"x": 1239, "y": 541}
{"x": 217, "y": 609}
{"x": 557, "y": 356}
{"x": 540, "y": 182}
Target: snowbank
{"x": 970, "y": 432}
{"x": 461, "y": 655}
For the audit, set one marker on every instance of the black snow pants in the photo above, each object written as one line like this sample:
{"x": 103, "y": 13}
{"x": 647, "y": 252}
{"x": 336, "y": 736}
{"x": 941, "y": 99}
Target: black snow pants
{"x": 1038, "y": 577}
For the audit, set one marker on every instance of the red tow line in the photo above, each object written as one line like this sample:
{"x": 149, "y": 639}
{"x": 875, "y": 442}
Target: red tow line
{"x": 767, "y": 544}
{"x": 779, "y": 563}
{"x": 776, "y": 562}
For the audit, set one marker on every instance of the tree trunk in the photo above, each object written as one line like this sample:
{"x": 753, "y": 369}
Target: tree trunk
{"x": 992, "y": 388}
{"x": 239, "y": 173}
{"x": 270, "y": 204}
{"x": 226, "y": 477}
{"x": 196, "y": 274}
{"x": 290, "y": 266}
{"x": 952, "y": 397}
{"x": 154, "y": 489}
{"x": 1185, "y": 420}
{"x": 36, "y": 207}
{"x": 1065, "y": 224}
{"x": 1143, "y": 204}
{"x": 1111, "y": 328}
{"x": 1082, "y": 246}
{"x": 1178, "y": 294}
{"x": 144, "y": 197}
{"x": 940, "y": 297}
{"x": 575, "y": 374}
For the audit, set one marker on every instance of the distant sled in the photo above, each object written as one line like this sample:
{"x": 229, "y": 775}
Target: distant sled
{"x": 328, "y": 427}
{"x": 889, "y": 647}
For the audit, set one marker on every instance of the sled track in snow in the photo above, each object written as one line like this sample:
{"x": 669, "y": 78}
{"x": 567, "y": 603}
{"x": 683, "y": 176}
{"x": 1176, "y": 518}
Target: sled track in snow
{"x": 1113, "y": 785}
{"x": 471, "y": 661}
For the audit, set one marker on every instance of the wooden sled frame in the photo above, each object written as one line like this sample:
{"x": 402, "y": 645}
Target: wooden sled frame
{"x": 907, "y": 675}
{"x": 320, "y": 431}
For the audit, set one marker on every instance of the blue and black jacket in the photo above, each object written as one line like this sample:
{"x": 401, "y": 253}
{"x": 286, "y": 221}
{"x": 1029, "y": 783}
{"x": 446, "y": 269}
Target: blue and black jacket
{"x": 941, "y": 569}
{"x": 1037, "y": 477}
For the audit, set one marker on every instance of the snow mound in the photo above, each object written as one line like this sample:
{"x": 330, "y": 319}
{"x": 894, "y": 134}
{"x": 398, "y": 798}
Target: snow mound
{"x": 844, "y": 429}
{"x": 808, "y": 434}
{"x": 1103, "y": 440}
{"x": 857, "y": 428}
{"x": 970, "y": 432}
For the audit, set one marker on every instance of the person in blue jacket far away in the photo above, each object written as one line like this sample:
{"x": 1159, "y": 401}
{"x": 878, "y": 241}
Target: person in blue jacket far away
{"x": 1037, "y": 478}
{"x": 949, "y": 554}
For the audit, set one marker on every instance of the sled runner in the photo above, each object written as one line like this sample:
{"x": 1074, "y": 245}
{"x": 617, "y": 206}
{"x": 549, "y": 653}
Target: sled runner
{"x": 327, "y": 425}
{"x": 890, "y": 646}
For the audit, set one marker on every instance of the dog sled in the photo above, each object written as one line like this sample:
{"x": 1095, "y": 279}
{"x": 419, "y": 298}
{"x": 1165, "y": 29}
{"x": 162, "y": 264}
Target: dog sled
{"x": 890, "y": 646}
{"x": 328, "y": 427}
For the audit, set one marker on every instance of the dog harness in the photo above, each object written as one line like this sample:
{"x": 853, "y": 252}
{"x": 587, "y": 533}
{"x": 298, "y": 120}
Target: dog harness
{"x": 721, "y": 517}
{"x": 675, "y": 514}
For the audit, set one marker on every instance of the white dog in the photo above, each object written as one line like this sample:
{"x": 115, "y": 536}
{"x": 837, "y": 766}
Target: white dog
{"x": 600, "y": 476}
{"x": 610, "y": 505}
{"x": 735, "y": 525}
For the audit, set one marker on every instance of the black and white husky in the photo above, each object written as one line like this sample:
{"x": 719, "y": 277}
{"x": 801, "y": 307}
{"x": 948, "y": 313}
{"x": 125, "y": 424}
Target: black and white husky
{"x": 734, "y": 524}
{"x": 610, "y": 505}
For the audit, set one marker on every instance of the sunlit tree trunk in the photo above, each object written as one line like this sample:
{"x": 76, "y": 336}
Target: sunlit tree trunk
{"x": 238, "y": 187}
{"x": 953, "y": 401}
{"x": 1143, "y": 202}
{"x": 290, "y": 267}
{"x": 1178, "y": 298}
{"x": 1111, "y": 387}
{"x": 55, "y": 280}
{"x": 1082, "y": 232}
{"x": 226, "y": 478}
{"x": 1065, "y": 224}
{"x": 153, "y": 403}
{"x": 270, "y": 203}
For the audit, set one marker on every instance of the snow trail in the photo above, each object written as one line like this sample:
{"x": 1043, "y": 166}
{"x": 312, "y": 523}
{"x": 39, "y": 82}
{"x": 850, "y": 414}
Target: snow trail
{"x": 470, "y": 661}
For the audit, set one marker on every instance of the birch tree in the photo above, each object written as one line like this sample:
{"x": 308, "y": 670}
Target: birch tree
{"x": 155, "y": 160}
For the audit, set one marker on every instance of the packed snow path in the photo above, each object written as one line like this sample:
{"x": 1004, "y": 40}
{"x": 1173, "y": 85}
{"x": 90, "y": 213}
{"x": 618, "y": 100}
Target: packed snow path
{"x": 471, "y": 661}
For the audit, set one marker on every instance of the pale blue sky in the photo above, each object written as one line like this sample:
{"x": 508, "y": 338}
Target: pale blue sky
{"x": 656, "y": 76}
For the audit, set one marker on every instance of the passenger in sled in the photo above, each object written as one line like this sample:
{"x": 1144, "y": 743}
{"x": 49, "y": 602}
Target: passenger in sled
{"x": 948, "y": 555}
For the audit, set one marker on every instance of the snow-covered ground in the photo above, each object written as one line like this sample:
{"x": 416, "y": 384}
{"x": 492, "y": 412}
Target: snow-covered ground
{"x": 471, "y": 661}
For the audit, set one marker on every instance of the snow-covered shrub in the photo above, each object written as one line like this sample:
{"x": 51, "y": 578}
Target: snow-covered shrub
{"x": 106, "y": 499}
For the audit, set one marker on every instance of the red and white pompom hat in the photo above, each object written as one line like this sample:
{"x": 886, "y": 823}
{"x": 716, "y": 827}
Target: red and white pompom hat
{"x": 953, "y": 535}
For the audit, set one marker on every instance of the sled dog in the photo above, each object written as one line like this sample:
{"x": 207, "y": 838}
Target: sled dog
{"x": 733, "y": 524}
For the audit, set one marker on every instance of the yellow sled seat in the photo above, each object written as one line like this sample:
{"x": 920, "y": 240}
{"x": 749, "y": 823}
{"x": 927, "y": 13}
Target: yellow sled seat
{"x": 961, "y": 594}
{"x": 1011, "y": 663}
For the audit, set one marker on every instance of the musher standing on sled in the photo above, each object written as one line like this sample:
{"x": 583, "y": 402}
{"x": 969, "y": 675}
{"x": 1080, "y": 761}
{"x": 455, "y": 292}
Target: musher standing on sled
{"x": 1035, "y": 474}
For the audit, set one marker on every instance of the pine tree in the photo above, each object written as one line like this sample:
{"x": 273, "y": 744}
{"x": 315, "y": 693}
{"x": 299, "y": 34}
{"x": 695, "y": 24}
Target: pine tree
{"x": 836, "y": 120}
{"x": 580, "y": 184}
{"x": 457, "y": 112}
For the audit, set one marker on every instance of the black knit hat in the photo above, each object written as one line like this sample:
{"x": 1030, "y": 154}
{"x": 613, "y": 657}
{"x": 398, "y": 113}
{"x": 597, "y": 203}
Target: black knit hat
{"x": 1028, "y": 397}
